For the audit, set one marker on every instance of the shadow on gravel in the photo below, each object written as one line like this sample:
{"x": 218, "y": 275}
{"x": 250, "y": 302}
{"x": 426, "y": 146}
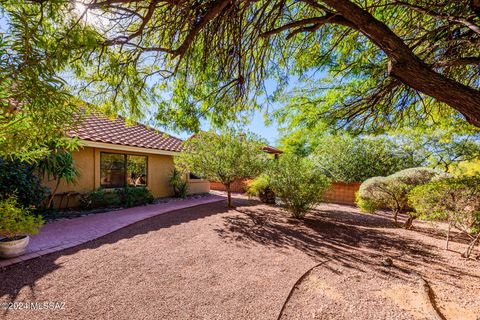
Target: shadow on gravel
{"x": 344, "y": 236}
{"x": 15, "y": 277}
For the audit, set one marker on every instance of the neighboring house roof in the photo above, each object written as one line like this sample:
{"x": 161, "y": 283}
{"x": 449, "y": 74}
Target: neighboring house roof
{"x": 272, "y": 150}
{"x": 99, "y": 128}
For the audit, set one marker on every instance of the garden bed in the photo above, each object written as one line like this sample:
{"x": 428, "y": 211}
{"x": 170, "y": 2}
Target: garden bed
{"x": 59, "y": 214}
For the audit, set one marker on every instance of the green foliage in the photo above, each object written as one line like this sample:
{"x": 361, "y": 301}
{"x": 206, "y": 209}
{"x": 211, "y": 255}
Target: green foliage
{"x": 134, "y": 196}
{"x": 349, "y": 159}
{"x": 124, "y": 197}
{"x": 223, "y": 157}
{"x": 299, "y": 183}
{"x": 59, "y": 166}
{"x": 258, "y": 185}
{"x": 99, "y": 198}
{"x": 392, "y": 191}
{"x": 16, "y": 220}
{"x": 455, "y": 200}
{"x": 365, "y": 204}
{"x": 20, "y": 178}
{"x": 215, "y": 68}
{"x": 38, "y": 43}
{"x": 261, "y": 187}
{"x": 179, "y": 184}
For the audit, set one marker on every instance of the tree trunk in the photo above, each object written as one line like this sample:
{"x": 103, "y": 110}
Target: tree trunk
{"x": 408, "y": 224}
{"x": 54, "y": 192}
{"x": 395, "y": 217}
{"x": 448, "y": 235}
{"x": 407, "y": 67}
{"x": 471, "y": 246}
{"x": 229, "y": 195}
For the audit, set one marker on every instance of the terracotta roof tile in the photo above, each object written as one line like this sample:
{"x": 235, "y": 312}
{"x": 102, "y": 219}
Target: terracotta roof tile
{"x": 101, "y": 129}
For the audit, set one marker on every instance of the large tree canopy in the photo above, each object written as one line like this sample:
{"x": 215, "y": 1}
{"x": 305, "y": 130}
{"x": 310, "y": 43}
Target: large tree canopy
{"x": 386, "y": 61}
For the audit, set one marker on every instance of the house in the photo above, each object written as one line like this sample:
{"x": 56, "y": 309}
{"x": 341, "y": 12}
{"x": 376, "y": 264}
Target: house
{"x": 114, "y": 155}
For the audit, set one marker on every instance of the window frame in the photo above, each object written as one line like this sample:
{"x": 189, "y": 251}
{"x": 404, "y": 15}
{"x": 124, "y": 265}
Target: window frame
{"x": 125, "y": 170}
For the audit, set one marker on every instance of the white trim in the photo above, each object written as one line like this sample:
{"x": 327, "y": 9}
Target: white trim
{"x": 120, "y": 147}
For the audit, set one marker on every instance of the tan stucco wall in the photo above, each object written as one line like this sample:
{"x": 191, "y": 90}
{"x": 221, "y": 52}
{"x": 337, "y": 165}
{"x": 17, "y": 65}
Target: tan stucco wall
{"x": 198, "y": 186}
{"x": 87, "y": 160}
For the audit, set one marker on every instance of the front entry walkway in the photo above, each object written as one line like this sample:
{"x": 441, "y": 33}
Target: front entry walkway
{"x": 63, "y": 234}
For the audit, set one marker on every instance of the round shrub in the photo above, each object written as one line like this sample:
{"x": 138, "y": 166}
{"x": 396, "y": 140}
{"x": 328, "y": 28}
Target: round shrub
{"x": 454, "y": 200}
{"x": 298, "y": 183}
{"x": 261, "y": 187}
{"x": 391, "y": 192}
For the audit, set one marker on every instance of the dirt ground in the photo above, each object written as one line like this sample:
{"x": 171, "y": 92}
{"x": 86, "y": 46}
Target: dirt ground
{"x": 208, "y": 262}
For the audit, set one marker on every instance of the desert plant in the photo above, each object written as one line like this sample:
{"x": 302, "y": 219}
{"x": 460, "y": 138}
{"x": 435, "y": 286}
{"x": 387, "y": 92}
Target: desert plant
{"x": 260, "y": 187}
{"x": 134, "y": 196}
{"x": 59, "y": 166}
{"x": 178, "y": 183}
{"x": 20, "y": 178}
{"x": 298, "y": 183}
{"x": 99, "y": 198}
{"x": 454, "y": 200}
{"x": 16, "y": 220}
{"x": 391, "y": 192}
{"x": 225, "y": 157}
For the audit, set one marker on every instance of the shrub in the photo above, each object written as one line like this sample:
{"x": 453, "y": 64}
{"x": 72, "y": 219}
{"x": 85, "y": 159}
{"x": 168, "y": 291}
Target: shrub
{"x": 455, "y": 200}
{"x": 179, "y": 184}
{"x": 349, "y": 159}
{"x": 365, "y": 205}
{"x": 298, "y": 183}
{"x": 391, "y": 192}
{"x": 260, "y": 187}
{"x": 20, "y": 178}
{"x": 134, "y": 196}
{"x": 99, "y": 198}
{"x": 16, "y": 220}
{"x": 125, "y": 197}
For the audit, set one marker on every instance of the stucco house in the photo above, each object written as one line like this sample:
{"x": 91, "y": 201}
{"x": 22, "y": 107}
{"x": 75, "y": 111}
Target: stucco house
{"x": 115, "y": 155}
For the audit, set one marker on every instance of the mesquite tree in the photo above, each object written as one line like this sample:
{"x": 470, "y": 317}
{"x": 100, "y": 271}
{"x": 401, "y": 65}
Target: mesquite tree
{"x": 223, "y": 157}
{"x": 385, "y": 61}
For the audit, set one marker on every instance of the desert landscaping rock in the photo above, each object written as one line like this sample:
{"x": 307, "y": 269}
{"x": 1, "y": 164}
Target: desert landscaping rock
{"x": 208, "y": 262}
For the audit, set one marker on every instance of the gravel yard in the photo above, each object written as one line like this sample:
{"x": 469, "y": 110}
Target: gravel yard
{"x": 208, "y": 262}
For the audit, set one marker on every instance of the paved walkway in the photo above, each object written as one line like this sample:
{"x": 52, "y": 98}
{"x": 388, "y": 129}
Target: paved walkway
{"x": 63, "y": 234}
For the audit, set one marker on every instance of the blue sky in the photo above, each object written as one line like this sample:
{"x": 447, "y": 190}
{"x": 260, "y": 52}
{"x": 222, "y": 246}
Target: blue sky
{"x": 257, "y": 125}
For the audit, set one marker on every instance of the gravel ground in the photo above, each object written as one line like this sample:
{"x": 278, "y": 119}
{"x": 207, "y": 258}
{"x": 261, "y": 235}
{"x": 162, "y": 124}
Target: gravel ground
{"x": 208, "y": 262}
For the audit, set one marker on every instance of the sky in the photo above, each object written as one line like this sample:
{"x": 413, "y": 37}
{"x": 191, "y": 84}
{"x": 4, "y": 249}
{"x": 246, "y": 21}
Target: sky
{"x": 257, "y": 122}
{"x": 257, "y": 125}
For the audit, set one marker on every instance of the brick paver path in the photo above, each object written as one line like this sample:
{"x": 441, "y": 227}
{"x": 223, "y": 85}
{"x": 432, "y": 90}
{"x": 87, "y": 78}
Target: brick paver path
{"x": 63, "y": 234}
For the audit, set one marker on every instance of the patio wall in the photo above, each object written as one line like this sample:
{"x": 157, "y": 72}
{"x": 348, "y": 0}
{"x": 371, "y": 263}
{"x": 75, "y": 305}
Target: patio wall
{"x": 341, "y": 193}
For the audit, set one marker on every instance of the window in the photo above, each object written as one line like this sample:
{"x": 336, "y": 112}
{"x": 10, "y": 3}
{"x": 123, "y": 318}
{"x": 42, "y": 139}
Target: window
{"x": 120, "y": 170}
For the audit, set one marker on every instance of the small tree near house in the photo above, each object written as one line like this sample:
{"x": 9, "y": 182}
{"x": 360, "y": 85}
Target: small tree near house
{"x": 223, "y": 157}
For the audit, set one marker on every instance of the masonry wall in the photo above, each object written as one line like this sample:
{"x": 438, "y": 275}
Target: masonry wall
{"x": 341, "y": 193}
{"x": 87, "y": 161}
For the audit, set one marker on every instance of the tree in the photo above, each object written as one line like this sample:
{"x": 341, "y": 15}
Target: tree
{"x": 299, "y": 183}
{"x": 36, "y": 103}
{"x": 348, "y": 159}
{"x": 454, "y": 200}
{"x": 223, "y": 157}
{"x": 399, "y": 61}
{"x": 392, "y": 192}
{"x": 59, "y": 166}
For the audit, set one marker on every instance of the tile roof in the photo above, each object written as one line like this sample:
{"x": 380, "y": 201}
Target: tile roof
{"x": 99, "y": 128}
